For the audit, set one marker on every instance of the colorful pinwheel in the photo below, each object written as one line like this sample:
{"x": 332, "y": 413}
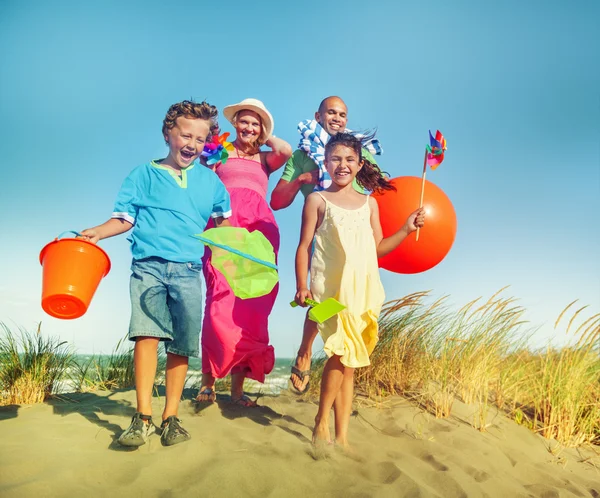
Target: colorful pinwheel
{"x": 435, "y": 149}
{"x": 246, "y": 260}
{"x": 217, "y": 150}
{"x": 434, "y": 155}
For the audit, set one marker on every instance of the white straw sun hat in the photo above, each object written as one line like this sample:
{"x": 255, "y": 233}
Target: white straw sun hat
{"x": 252, "y": 105}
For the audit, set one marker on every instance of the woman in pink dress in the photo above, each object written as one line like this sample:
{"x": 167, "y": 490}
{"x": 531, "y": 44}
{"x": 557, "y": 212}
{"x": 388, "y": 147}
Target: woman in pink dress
{"x": 235, "y": 336}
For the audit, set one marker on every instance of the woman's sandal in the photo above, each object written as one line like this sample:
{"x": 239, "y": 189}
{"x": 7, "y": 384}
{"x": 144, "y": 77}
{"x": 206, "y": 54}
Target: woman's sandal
{"x": 302, "y": 374}
{"x": 209, "y": 392}
{"x": 244, "y": 401}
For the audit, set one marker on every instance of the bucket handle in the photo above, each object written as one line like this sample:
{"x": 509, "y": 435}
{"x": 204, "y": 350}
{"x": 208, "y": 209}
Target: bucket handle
{"x": 68, "y": 231}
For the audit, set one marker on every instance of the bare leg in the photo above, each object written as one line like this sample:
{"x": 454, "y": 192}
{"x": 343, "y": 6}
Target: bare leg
{"x": 177, "y": 367}
{"x": 237, "y": 390}
{"x": 237, "y": 385}
{"x": 145, "y": 359}
{"x": 333, "y": 376}
{"x": 342, "y": 407}
{"x": 305, "y": 352}
{"x": 208, "y": 382}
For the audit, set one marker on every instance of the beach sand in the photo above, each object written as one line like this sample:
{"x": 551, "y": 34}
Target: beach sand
{"x": 67, "y": 447}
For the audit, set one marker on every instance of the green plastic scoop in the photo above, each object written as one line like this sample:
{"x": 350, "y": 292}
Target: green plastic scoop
{"x": 319, "y": 312}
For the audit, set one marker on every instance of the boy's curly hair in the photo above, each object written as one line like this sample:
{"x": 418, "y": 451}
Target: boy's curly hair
{"x": 370, "y": 176}
{"x": 192, "y": 110}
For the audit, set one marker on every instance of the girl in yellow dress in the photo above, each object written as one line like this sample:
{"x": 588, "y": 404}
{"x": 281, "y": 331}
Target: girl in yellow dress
{"x": 345, "y": 227}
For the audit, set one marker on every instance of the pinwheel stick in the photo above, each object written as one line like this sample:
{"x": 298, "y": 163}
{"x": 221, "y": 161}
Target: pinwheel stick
{"x": 422, "y": 187}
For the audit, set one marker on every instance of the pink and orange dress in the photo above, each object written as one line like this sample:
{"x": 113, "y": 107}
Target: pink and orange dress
{"x": 235, "y": 332}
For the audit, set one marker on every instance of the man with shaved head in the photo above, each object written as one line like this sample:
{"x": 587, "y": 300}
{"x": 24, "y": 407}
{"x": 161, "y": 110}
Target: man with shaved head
{"x": 301, "y": 173}
{"x": 305, "y": 172}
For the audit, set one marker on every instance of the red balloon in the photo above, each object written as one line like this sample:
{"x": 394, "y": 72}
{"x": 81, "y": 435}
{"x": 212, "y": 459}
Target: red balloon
{"x": 435, "y": 238}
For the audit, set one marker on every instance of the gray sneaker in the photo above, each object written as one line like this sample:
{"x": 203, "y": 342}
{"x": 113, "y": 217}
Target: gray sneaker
{"x": 138, "y": 431}
{"x": 172, "y": 432}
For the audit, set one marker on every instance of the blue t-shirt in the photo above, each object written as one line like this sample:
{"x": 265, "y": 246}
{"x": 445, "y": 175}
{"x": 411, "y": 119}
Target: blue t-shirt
{"x": 167, "y": 210}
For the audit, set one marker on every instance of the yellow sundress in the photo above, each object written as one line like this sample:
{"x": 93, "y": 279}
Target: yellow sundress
{"x": 344, "y": 266}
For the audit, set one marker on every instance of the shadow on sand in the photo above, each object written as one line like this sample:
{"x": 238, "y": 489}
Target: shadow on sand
{"x": 262, "y": 415}
{"x": 9, "y": 411}
{"x": 94, "y": 407}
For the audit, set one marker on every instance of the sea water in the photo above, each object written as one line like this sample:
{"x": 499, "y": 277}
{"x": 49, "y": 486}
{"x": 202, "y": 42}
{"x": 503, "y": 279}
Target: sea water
{"x": 274, "y": 382}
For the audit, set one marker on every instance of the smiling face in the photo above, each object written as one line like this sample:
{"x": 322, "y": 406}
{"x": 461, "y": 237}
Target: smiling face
{"x": 186, "y": 141}
{"x": 248, "y": 127}
{"x": 342, "y": 164}
{"x": 332, "y": 115}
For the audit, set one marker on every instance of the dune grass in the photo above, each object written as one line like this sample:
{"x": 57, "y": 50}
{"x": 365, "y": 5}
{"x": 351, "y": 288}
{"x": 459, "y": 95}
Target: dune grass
{"x": 31, "y": 365}
{"x": 106, "y": 373}
{"x": 114, "y": 371}
{"x": 482, "y": 355}
{"x": 427, "y": 352}
{"x": 565, "y": 393}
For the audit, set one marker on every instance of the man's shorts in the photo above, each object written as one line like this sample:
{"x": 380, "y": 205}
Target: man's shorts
{"x": 167, "y": 303}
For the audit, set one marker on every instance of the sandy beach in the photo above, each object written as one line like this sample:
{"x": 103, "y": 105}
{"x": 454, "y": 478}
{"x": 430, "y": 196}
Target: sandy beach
{"x": 67, "y": 447}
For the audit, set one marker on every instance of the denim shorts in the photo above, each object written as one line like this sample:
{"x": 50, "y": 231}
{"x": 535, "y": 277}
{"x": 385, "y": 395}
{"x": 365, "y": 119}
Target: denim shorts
{"x": 167, "y": 303}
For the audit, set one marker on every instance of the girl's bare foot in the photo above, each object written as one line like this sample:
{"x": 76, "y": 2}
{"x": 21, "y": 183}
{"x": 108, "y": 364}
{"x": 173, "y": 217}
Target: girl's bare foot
{"x": 342, "y": 442}
{"x": 344, "y": 448}
{"x": 322, "y": 446}
{"x": 321, "y": 434}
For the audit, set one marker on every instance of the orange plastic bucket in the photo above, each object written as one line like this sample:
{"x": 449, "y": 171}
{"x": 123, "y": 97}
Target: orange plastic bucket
{"x": 72, "y": 270}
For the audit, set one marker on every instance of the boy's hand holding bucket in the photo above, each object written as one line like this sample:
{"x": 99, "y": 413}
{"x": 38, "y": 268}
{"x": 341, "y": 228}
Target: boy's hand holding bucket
{"x": 72, "y": 270}
{"x": 91, "y": 235}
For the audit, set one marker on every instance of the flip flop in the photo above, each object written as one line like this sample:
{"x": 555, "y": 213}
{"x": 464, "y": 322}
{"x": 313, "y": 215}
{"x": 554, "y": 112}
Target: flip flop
{"x": 302, "y": 374}
{"x": 208, "y": 391}
{"x": 244, "y": 401}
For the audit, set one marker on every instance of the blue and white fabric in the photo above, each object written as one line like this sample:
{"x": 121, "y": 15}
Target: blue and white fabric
{"x": 313, "y": 141}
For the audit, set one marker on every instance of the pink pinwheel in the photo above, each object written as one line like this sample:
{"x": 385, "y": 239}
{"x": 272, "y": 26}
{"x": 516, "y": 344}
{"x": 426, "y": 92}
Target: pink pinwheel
{"x": 435, "y": 149}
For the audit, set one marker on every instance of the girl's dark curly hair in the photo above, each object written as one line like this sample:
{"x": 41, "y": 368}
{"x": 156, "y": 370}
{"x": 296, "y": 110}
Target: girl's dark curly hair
{"x": 369, "y": 176}
{"x": 192, "y": 110}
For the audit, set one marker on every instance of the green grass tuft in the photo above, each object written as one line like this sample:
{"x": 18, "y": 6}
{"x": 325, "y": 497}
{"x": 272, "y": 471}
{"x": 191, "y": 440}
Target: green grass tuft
{"x": 31, "y": 365}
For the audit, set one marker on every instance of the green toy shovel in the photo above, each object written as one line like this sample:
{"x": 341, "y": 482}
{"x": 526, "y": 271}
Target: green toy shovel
{"x": 319, "y": 312}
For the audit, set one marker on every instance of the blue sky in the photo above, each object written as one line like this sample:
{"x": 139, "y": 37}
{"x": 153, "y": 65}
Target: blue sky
{"x": 513, "y": 86}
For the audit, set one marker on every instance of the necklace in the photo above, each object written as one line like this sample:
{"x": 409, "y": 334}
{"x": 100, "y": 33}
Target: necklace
{"x": 246, "y": 156}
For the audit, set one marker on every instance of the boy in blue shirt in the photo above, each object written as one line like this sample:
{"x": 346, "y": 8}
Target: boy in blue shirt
{"x": 165, "y": 202}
